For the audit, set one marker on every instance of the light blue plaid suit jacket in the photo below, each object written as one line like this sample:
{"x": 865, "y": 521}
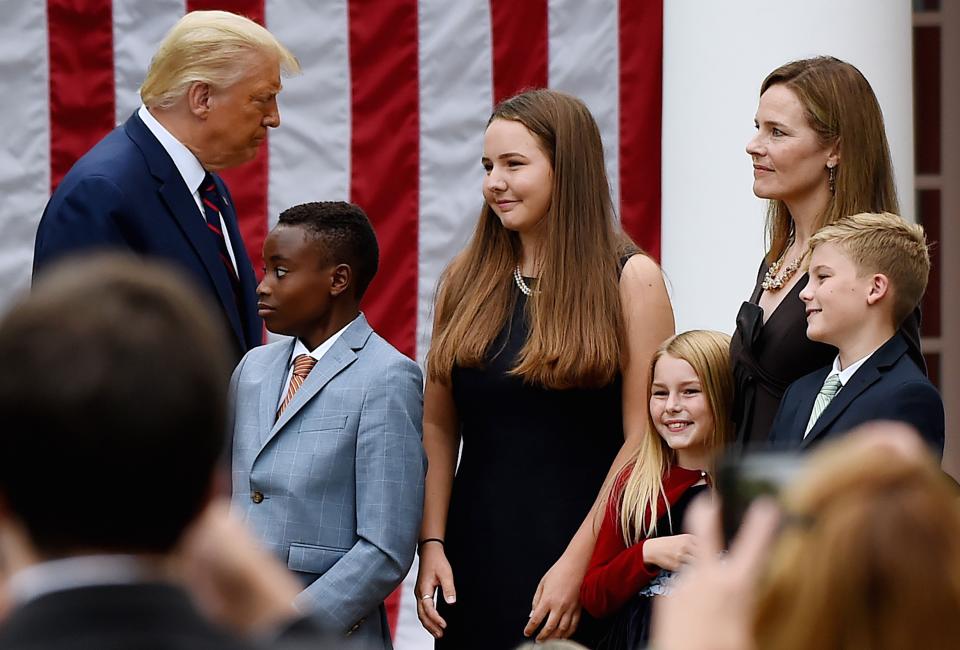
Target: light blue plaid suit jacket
{"x": 335, "y": 486}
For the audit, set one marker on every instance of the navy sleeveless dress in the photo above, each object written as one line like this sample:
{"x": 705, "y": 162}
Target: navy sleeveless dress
{"x": 533, "y": 461}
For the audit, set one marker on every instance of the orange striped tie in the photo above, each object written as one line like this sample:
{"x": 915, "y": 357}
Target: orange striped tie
{"x": 302, "y": 366}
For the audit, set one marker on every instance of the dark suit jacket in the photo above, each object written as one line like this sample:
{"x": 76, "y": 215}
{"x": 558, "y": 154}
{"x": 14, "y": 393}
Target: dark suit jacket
{"x": 141, "y": 617}
{"x": 888, "y": 386}
{"x": 126, "y": 194}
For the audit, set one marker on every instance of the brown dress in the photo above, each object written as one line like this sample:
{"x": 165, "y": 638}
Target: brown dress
{"x": 768, "y": 357}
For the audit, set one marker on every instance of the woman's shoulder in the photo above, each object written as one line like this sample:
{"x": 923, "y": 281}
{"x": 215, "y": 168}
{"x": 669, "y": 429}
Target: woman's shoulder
{"x": 639, "y": 268}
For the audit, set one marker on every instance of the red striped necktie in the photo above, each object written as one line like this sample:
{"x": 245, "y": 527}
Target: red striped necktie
{"x": 211, "y": 200}
{"x": 302, "y": 366}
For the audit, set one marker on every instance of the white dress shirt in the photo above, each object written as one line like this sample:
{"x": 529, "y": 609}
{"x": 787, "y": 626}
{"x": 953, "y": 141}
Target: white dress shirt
{"x": 189, "y": 167}
{"x": 45, "y": 578}
{"x": 299, "y": 348}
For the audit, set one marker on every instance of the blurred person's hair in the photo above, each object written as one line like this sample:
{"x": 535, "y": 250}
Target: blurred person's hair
{"x": 869, "y": 556}
{"x": 841, "y": 107}
{"x": 113, "y": 380}
{"x": 212, "y": 47}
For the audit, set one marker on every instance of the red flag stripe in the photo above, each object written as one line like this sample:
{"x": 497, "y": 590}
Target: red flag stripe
{"x": 384, "y": 170}
{"x": 80, "y": 47}
{"x": 641, "y": 92}
{"x": 248, "y": 183}
{"x": 520, "y": 46}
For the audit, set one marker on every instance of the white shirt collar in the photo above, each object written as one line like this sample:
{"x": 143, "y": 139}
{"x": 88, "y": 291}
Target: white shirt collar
{"x": 299, "y": 347}
{"x": 187, "y": 164}
{"x": 850, "y": 370}
{"x": 44, "y": 578}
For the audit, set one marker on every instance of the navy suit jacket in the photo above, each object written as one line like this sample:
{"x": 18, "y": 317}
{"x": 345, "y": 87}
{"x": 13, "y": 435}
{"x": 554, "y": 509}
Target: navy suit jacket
{"x": 126, "y": 194}
{"x": 888, "y": 386}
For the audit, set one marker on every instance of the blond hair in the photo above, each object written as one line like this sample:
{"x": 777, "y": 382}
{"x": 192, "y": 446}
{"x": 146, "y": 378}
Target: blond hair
{"x": 884, "y": 243}
{"x": 869, "y": 558}
{"x": 210, "y": 47}
{"x": 840, "y": 106}
{"x": 576, "y": 334}
{"x": 708, "y": 353}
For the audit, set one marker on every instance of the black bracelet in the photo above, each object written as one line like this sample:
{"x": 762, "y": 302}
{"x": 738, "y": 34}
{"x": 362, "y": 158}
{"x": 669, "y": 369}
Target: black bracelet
{"x": 427, "y": 540}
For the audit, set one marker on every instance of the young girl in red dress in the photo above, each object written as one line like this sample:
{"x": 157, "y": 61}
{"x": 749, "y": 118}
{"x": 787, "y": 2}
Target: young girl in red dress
{"x": 640, "y": 542}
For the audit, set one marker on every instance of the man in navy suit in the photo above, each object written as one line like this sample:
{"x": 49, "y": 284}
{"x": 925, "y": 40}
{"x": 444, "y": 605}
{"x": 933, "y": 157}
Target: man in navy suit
{"x": 150, "y": 185}
{"x": 867, "y": 273}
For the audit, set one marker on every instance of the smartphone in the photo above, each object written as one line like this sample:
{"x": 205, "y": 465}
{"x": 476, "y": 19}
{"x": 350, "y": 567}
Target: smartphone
{"x": 743, "y": 478}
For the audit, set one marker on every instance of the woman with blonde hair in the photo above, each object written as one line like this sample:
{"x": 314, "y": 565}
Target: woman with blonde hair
{"x": 820, "y": 153}
{"x": 640, "y": 542}
{"x": 543, "y": 327}
{"x": 870, "y": 553}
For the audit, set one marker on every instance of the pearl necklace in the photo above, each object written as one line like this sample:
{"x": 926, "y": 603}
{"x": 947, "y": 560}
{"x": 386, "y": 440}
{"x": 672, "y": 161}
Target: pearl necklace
{"x": 518, "y": 278}
{"x": 775, "y": 279}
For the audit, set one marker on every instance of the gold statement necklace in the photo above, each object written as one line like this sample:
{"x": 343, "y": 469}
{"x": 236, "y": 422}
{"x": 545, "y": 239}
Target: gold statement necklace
{"x": 776, "y": 278}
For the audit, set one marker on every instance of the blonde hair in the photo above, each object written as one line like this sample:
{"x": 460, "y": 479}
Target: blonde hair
{"x": 211, "y": 47}
{"x": 884, "y": 243}
{"x": 841, "y": 108}
{"x": 576, "y": 334}
{"x": 708, "y": 353}
{"x": 871, "y": 558}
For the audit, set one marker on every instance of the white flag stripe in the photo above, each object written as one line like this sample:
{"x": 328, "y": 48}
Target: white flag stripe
{"x": 138, "y": 28}
{"x": 584, "y": 60}
{"x": 310, "y": 152}
{"x": 25, "y": 146}
{"x": 456, "y": 97}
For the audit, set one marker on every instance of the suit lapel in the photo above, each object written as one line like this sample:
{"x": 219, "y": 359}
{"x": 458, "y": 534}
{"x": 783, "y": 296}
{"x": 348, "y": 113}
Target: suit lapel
{"x": 174, "y": 193}
{"x": 340, "y": 356}
{"x": 249, "y": 320}
{"x": 273, "y": 380}
{"x": 867, "y": 375}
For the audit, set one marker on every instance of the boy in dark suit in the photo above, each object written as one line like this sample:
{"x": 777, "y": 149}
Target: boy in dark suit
{"x": 867, "y": 273}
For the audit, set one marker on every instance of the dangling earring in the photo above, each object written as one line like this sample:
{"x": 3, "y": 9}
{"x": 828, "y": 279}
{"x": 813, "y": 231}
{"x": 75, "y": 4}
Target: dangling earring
{"x": 832, "y": 179}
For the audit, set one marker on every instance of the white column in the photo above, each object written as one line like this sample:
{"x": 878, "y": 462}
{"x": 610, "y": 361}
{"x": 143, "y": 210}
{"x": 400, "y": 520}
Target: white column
{"x": 716, "y": 54}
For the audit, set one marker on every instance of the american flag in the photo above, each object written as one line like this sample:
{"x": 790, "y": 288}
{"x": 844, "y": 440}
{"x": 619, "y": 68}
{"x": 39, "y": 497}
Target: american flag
{"x": 389, "y": 113}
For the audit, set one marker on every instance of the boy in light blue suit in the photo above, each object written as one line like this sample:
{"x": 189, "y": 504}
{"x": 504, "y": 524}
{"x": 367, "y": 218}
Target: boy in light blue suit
{"x": 328, "y": 462}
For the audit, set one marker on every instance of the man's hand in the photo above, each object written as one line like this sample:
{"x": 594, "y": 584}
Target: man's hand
{"x": 236, "y": 582}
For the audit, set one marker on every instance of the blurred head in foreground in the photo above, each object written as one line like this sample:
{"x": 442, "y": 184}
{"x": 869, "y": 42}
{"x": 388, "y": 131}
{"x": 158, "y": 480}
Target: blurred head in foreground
{"x": 112, "y": 401}
{"x": 870, "y": 554}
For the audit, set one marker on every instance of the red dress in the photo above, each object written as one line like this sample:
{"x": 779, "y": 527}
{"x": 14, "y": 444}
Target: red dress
{"x": 617, "y": 573}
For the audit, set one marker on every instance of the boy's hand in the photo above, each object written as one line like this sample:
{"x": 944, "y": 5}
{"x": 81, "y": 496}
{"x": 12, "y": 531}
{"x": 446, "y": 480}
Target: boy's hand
{"x": 671, "y": 552}
{"x": 435, "y": 571}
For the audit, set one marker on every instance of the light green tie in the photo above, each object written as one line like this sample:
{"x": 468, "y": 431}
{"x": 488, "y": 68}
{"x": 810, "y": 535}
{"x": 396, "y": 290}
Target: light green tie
{"x": 830, "y": 388}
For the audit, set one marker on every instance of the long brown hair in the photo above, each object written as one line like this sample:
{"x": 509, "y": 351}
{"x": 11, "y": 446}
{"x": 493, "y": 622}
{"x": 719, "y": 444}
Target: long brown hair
{"x": 708, "y": 353}
{"x": 576, "y": 334}
{"x": 870, "y": 555}
{"x": 840, "y": 106}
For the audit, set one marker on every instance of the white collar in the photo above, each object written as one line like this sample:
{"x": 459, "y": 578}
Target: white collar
{"x": 847, "y": 373}
{"x": 299, "y": 347}
{"x": 187, "y": 164}
{"x": 74, "y": 572}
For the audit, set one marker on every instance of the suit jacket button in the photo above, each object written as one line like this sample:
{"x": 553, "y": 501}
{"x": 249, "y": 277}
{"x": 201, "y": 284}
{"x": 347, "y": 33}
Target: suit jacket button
{"x": 356, "y": 626}
{"x": 257, "y": 496}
